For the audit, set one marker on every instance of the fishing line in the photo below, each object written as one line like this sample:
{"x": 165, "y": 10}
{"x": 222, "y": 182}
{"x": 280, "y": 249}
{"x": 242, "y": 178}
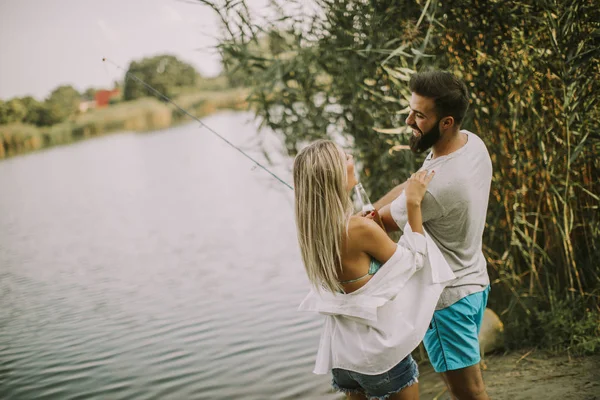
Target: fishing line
{"x": 130, "y": 75}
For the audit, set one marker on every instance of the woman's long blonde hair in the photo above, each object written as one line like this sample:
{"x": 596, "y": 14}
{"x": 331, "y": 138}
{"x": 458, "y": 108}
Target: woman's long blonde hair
{"x": 323, "y": 209}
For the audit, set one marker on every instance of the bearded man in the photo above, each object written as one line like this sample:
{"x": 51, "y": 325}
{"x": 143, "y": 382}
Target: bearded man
{"x": 454, "y": 211}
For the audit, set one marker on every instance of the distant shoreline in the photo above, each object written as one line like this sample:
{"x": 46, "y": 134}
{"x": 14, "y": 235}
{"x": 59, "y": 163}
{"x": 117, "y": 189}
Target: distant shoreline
{"x": 141, "y": 115}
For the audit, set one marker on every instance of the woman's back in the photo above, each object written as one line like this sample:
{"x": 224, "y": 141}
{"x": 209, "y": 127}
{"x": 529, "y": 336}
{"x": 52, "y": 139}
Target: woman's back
{"x": 366, "y": 242}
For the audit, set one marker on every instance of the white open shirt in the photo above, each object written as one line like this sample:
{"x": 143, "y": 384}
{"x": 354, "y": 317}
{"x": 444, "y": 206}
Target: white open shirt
{"x": 375, "y": 327}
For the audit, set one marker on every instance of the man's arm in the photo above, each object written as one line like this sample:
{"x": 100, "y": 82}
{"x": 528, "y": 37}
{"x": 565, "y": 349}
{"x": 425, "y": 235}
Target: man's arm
{"x": 386, "y": 219}
{"x": 383, "y": 208}
{"x": 389, "y": 197}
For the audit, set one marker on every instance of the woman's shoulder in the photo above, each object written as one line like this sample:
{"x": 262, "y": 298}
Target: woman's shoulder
{"x": 360, "y": 228}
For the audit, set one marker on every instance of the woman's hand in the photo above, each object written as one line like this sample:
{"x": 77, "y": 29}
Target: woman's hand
{"x": 374, "y": 215}
{"x": 416, "y": 187}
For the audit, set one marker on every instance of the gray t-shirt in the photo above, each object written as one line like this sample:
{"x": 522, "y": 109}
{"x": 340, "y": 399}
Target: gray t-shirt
{"x": 454, "y": 210}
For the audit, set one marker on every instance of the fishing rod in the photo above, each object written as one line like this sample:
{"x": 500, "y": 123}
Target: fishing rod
{"x": 183, "y": 110}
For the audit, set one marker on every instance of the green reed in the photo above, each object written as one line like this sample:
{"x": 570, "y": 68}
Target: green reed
{"x": 534, "y": 74}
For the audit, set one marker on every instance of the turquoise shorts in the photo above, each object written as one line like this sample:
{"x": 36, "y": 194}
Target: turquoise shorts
{"x": 452, "y": 340}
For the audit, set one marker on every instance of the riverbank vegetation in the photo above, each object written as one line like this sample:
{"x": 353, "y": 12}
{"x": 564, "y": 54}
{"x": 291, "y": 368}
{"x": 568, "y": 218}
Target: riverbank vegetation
{"x": 534, "y": 74}
{"x": 27, "y": 124}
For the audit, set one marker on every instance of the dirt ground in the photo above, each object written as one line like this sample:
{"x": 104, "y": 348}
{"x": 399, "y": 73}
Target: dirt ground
{"x": 527, "y": 375}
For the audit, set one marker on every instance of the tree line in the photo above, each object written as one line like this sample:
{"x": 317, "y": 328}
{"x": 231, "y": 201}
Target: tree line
{"x": 165, "y": 73}
{"x": 60, "y": 104}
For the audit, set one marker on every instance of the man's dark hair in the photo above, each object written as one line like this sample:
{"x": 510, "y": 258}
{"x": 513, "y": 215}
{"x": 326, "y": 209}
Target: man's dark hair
{"x": 449, "y": 93}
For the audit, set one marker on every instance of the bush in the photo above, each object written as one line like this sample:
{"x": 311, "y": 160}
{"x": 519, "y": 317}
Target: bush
{"x": 565, "y": 325}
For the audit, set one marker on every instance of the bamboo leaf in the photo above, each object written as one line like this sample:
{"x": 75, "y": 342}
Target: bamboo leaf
{"x": 390, "y": 131}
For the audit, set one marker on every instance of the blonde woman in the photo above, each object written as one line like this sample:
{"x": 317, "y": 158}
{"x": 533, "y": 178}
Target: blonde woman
{"x": 378, "y": 296}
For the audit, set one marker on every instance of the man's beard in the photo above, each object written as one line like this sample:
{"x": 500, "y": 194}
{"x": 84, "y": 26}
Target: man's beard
{"x": 424, "y": 141}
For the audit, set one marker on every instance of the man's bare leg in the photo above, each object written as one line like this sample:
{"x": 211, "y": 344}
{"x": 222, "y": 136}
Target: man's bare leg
{"x": 466, "y": 383}
{"x": 443, "y": 375}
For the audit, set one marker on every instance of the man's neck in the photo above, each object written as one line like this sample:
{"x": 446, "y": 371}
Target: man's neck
{"x": 449, "y": 143}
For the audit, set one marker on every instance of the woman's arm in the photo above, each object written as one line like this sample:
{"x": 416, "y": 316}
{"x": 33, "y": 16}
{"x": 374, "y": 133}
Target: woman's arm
{"x": 367, "y": 236}
{"x": 416, "y": 187}
{"x": 414, "y": 192}
{"x": 415, "y": 218}
{"x": 365, "y": 239}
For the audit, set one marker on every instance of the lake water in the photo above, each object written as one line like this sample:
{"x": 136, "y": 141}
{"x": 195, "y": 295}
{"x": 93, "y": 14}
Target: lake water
{"x": 154, "y": 266}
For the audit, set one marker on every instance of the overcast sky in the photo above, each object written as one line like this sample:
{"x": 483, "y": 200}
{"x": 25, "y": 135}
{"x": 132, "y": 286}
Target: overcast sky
{"x": 47, "y": 43}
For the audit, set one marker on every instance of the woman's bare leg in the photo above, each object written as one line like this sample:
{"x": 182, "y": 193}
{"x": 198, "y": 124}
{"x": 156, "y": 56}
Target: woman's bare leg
{"x": 356, "y": 396}
{"x": 408, "y": 393}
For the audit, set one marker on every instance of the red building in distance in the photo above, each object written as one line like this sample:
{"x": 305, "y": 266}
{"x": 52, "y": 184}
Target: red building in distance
{"x": 103, "y": 97}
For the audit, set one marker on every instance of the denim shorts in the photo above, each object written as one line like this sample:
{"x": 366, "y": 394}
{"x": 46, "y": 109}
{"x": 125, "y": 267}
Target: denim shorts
{"x": 452, "y": 340}
{"x": 380, "y": 386}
